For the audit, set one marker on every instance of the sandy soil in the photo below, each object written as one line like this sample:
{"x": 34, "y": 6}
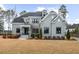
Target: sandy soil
{"x": 38, "y": 46}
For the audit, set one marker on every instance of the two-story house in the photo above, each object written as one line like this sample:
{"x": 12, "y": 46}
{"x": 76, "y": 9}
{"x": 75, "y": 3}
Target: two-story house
{"x": 51, "y": 23}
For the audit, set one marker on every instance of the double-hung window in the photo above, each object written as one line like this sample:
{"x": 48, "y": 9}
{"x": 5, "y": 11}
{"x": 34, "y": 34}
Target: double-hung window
{"x": 46, "y": 30}
{"x": 58, "y": 30}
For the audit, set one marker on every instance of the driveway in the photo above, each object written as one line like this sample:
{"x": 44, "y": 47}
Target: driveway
{"x": 77, "y": 38}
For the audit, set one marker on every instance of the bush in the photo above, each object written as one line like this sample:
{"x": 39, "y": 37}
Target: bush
{"x": 40, "y": 35}
{"x": 32, "y": 35}
{"x": 9, "y": 36}
{"x": 68, "y": 35}
{"x": 18, "y": 35}
{"x": 49, "y": 37}
{"x": 45, "y": 37}
{"x": 58, "y": 37}
{"x": 62, "y": 37}
{"x": 4, "y": 36}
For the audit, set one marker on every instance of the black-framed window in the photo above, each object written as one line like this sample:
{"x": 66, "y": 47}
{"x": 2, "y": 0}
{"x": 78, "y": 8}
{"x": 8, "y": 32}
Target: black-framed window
{"x": 58, "y": 30}
{"x": 17, "y": 30}
{"x": 46, "y": 30}
{"x": 35, "y": 20}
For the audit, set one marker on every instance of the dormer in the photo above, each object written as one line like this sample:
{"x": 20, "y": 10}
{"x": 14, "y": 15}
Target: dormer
{"x": 44, "y": 13}
{"x": 53, "y": 12}
{"x": 26, "y": 20}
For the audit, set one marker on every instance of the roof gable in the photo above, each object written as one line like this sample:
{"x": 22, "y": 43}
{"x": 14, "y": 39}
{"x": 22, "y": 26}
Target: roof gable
{"x": 51, "y": 14}
{"x": 58, "y": 18}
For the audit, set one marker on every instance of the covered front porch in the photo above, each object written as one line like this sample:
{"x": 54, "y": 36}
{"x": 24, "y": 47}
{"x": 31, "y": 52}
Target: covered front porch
{"x": 25, "y": 31}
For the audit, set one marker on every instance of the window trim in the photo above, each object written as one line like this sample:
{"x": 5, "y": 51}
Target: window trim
{"x": 35, "y": 20}
{"x": 46, "y": 28}
{"x": 57, "y": 32}
{"x": 17, "y": 30}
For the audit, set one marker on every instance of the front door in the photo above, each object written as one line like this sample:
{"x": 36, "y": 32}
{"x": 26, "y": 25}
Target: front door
{"x": 26, "y": 30}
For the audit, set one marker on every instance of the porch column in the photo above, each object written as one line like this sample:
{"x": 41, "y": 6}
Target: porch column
{"x": 29, "y": 32}
{"x": 20, "y": 30}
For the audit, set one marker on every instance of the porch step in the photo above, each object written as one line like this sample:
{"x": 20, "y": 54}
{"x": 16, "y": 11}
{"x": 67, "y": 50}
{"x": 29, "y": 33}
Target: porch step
{"x": 23, "y": 37}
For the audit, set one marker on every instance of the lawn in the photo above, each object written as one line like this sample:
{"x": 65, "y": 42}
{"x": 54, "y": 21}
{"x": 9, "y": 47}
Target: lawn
{"x": 38, "y": 46}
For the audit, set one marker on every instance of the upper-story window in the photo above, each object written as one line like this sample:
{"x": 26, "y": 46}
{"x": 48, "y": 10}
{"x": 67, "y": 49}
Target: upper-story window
{"x": 27, "y": 21}
{"x": 35, "y": 20}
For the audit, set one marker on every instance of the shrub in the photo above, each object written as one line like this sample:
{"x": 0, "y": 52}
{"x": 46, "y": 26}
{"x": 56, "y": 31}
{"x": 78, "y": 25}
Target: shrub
{"x": 68, "y": 35}
{"x": 54, "y": 37}
{"x": 17, "y": 36}
{"x": 9, "y": 36}
{"x": 58, "y": 37}
{"x": 4, "y": 36}
{"x": 49, "y": 37}
{"x": 62, "y": 37}
{"x": 45, "y": 37}
{"x": 32, "y": 35}
{"x": 40, "y": 35}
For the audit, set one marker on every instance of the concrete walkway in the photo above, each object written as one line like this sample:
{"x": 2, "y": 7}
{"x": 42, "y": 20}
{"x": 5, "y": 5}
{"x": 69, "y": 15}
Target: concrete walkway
{"x": 75, "y": 38}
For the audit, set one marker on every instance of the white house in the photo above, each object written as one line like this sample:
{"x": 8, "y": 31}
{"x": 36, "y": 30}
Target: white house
{"x": 51, "y": 24}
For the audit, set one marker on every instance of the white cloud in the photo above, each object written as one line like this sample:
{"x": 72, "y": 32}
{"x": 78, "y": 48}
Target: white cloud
{"x": 67, "y": 15}
{"x": 2, "y": 6}
{"x": 40, "y": 8}
{"x": 76, "y": 21}
{"x": 48, "y": 9}
{"x": 53, "y": 9}
{"x": 69, "y": 21}
{"x": 72, "y": 21}
{"x": 27, "y": 10}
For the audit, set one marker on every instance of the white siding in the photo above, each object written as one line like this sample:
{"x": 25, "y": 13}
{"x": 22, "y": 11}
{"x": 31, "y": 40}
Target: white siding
{"x": 48, "y": 22}
{"x": 14, "y": 26}
{"x": 58, "y": 24}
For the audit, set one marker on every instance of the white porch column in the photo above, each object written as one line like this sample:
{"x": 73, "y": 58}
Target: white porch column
{"x": 20, "y": 31}
{"x": 30, "y": 32}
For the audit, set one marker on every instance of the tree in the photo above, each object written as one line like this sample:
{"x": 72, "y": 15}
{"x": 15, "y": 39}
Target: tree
{"x": 63, "y": 10}
{"x": 40, "y": 34}
{"x": 9, "y": 16}
{"x": 1, "y": 20}
{"x": 68, "y": 35}
{"x": 76, "y": 30}
{"x": 23, "y": 12}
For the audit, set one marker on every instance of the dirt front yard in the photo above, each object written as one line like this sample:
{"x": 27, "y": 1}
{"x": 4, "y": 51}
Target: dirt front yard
{"x": 38, "y": 46}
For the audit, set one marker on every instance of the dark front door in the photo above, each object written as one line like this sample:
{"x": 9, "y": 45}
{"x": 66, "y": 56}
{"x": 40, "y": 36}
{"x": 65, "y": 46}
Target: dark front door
{"x": 26, "y": 30}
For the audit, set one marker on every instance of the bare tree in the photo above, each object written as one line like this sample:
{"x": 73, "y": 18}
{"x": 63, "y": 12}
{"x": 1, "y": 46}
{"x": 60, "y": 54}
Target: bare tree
{"x": 9, "y": 16}
{"x": 1, "y": 20}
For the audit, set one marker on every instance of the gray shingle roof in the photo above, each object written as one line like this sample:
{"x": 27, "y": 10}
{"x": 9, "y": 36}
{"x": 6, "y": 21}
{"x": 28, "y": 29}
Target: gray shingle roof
{"x": 32, "y": 14}
{"x": 20, "y": 19}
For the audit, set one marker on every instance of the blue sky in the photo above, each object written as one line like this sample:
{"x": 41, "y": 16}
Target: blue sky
{"x": 72, "y": 16}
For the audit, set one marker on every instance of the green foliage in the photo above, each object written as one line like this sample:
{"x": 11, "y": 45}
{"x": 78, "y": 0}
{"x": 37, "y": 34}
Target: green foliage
{"x": 40, "y": 35}
{"x": 76, "y": 30}
{"x": 68, "y": 35}
{"x": 1, "y": 20}
{"x": 63, "y": 10}
{"x": 23, "y": 12}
